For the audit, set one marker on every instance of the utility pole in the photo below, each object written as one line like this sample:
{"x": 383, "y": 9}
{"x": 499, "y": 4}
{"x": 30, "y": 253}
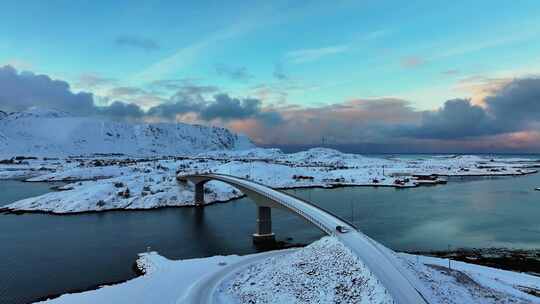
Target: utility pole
{"x": 449, "y": 266}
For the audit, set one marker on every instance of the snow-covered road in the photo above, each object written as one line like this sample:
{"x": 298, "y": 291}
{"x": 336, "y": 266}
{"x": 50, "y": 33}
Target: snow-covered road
{"x": 380, "y": 260}
{"x": 204, "y": 290}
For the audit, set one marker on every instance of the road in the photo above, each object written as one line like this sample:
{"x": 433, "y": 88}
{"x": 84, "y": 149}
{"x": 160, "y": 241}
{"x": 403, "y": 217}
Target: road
{"x": 204, "y": 290}
{"x": 399, "y": 282}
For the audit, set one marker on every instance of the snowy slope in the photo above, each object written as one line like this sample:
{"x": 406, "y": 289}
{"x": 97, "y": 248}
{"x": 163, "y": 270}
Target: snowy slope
{"x": 41, "y": 132}
{"x": 323, "y": 272}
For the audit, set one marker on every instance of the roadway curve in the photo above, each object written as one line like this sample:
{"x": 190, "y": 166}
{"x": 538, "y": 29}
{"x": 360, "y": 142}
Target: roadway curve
{"x": 399, "y": 282}
{"x": 204, "y": 290}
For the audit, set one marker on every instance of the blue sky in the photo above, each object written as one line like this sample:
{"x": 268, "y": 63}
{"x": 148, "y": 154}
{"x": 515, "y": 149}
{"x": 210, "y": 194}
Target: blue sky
{"x": 306, "y": 54}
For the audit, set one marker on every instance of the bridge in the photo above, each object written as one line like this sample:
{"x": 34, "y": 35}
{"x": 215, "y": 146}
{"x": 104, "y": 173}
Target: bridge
{"x": 381, "y": 261}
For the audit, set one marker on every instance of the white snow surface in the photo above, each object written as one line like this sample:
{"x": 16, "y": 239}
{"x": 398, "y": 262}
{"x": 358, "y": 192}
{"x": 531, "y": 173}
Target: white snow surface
{"x": 323, "y": 272}
{"x": 44, "y": 132}
{"x": 100, "y": 183}
{"x": 165, "y": 281}
{"x": 469, "y": 283}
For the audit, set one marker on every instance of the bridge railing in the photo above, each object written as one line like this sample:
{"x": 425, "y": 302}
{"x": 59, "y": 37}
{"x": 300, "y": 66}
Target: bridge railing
{"x": 320, "y": 208}
{"x": 282, "y": 202}
{"x": 322, "y": 226}
{"x": 298, "y": 198}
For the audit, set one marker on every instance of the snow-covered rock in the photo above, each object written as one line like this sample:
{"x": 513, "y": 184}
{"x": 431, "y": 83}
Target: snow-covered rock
{"x": 42, "y": 132}
{"x": 152, "y": 181}
{"x": 152, "y": 188}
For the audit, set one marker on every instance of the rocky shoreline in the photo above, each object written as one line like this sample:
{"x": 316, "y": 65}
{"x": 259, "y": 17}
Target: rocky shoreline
{"x": 519, "y": 260}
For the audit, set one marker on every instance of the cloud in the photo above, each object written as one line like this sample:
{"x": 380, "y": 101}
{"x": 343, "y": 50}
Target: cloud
{"x": 277, "y": 92}
{"x": 226, "y": 108}
{"x": 191, "y": 89}
{"x": 517, "y": 104}
{"x": 457, "y": 119}
{"x": 125, "y": 91}
{"x": 184, "y": 86}
{"x": 19, "y": 91}
{"x": 135, "y": 95}
{"x": 508, "y": 118}
{"x": 479, "y": 87}
{"x": 354, "y": 121}
{"x": 514, "y": 107}
{"x": 221, "y": 108}
{"x": 22, "y": 90}
{"x": 308, "y": 55}
{"x": 411, "y": 62}
{"x": 171, "y": 109}
{"x": 163, "y": 91}
{"x": 122, "y": 111}
{"x": 92, "y": 81}
{"x": 234, "y": 73}
{"x": 143, "y": 43}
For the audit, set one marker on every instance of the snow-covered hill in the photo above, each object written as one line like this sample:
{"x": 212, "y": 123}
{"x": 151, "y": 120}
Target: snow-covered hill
{"x": 43, "y": 132}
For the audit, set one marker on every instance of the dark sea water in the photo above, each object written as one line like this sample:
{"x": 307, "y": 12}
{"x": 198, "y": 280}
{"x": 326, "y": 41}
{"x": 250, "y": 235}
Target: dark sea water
{"x": 46, "y": 254}
{"x": 12, "y": 190}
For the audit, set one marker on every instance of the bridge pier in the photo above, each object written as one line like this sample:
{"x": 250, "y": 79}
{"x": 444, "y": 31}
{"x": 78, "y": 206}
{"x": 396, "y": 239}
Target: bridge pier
{"x": 199, "y": 194}
{"x": 264, "y": 234}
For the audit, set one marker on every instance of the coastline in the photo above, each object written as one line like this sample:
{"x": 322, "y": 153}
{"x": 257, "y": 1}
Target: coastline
{"x": 518, "y": 260}
{"x": 58, "y": 188}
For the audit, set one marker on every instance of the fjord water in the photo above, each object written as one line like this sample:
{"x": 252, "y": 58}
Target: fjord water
{"x": 13, "y": 190}
{"x": 47, "y": 254}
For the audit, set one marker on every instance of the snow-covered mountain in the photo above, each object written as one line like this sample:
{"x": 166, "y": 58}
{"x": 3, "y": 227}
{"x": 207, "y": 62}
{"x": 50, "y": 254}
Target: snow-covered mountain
{"x": 44, "y": 132}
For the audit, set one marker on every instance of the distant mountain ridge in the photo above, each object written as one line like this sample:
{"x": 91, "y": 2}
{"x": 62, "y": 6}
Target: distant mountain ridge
{"x": 46, "y": 132}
